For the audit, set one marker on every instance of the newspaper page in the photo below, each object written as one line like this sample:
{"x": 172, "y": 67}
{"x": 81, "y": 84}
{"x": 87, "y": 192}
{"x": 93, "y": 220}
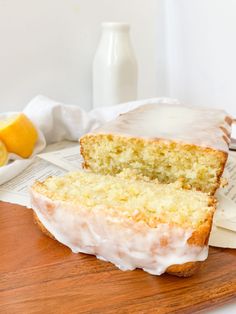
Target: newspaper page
{"x": 68, "y": 159}
{"x": 223, "y": 232}
{"x": 16, "y": 190}
{"x": 225, "y": 216}
{"x": 230, "y": 173}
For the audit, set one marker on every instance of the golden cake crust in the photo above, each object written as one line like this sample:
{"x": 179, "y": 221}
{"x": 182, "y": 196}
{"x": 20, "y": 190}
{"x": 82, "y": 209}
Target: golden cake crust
{"x": 205, "y": 127}
{"x": 81, "y": 225}
{"x": 184, "y": 270}
{"x": 198, "y": 238}
{"x": 165, "y": 142}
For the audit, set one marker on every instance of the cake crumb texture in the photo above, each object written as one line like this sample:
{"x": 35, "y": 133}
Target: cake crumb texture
{"x": 168, "y": 161}
{"x": 134, "y": 199}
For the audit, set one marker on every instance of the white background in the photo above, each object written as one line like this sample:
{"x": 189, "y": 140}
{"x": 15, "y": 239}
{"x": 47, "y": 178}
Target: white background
{"x": 47, "y": 47}
{"x": 201, "y": 52}
{"x": 185, "y": 49}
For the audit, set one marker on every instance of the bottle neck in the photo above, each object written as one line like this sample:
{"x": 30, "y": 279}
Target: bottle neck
{"x": 115, "y": 42}
{"x": 119, "y": 30}
{"x": 116, "y": 26}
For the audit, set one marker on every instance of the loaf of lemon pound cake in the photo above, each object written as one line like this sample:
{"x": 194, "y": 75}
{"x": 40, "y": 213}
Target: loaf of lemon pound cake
{"x": 131, "y": 223}
{"x": 167, "y": 142}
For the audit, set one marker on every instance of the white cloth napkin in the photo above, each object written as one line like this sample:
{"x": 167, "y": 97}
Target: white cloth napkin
{"x": 56, "y": 122}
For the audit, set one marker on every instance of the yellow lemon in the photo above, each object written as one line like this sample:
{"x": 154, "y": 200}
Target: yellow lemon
{"x": 18, "y": 134}
{"x": 3, "y": 154}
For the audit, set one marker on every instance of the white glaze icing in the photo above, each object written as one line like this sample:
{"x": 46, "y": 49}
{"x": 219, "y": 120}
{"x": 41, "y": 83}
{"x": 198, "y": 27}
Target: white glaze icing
{"x": 191, "y": 125}
{"x": 125, "y": 243}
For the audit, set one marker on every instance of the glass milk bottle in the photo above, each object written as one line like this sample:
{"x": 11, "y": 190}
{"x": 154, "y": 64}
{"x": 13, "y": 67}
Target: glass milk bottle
{"x": 114, "y": 67}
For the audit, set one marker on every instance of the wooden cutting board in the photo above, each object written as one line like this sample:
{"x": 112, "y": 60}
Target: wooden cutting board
{"x": 39, "y": 275}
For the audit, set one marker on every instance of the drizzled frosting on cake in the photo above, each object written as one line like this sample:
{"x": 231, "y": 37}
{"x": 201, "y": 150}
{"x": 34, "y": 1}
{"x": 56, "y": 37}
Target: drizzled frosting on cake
{"x": 126, "y": 244}
{"x": 190, "y": 125}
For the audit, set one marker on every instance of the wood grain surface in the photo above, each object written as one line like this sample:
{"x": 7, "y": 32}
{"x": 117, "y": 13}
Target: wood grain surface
{"x": 39, "y": 275}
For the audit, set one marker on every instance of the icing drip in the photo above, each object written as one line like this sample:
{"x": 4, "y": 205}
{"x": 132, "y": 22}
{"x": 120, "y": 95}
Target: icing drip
{"x": 190, "y": 125}
{"x": 125, "y": 243}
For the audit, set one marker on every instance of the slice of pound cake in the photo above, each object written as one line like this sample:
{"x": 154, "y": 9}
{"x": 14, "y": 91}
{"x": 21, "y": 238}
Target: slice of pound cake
{"x": 167, "y": 142}
{"x": 131, "y": 223}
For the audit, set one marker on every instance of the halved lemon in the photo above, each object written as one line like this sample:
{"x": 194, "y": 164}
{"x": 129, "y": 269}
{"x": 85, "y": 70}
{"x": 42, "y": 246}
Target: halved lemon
{"x": 3, "y": 154}
{"x": 18, "y": 134}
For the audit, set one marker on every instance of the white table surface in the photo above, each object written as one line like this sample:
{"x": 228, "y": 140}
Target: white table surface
{"x": 229, "y": 308}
